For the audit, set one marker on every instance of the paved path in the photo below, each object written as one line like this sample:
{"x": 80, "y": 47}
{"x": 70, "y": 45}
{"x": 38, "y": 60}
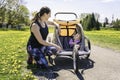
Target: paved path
{"x": 103, "y": 64}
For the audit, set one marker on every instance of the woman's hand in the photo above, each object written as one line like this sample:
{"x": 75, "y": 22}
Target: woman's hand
{"x": 56, "y": 46}
{"x": 59, "y": 48}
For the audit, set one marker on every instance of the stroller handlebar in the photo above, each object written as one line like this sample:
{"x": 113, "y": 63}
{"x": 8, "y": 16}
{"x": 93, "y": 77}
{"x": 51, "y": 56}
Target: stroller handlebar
{"x": 66, "y": 13}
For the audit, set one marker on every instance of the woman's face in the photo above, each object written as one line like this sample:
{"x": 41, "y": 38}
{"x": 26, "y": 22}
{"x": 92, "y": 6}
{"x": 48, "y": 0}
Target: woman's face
{"x": 47, "y": 16}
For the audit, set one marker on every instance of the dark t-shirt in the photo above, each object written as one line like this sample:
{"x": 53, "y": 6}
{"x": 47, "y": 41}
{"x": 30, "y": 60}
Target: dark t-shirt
{"x": 33, "y": 41}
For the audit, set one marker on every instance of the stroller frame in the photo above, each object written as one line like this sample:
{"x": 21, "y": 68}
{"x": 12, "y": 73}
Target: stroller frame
{"x": 69, "y": 28}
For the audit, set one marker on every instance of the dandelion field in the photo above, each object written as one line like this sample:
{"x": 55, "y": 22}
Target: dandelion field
{"x": 13, "y": 53}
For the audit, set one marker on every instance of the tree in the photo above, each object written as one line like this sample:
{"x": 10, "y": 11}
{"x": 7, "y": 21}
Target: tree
{"x": 89, "y": 22}
{"x": 13, "y": 12}
{"x": 2, "y": 10}
{"x": 2, "y": 3}
{"x": 23, "y": 15}
{"x": 116, "y": 24}
{"x": 105, "y": 22}
{"x": 97, "y": 25}
{"x": 93, "y": 21}
{"x": 12, "y": 9}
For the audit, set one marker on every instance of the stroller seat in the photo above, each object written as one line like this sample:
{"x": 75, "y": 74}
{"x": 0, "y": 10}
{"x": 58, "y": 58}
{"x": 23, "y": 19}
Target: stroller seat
{"x": 68, "y": 29}
{"x": 68, "y": 50}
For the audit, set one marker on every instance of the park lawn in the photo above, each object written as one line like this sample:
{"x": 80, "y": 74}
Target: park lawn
{"x": 105, "y": 38}
{"x": 13, "y": 51}
{"x": 13, "y": 55}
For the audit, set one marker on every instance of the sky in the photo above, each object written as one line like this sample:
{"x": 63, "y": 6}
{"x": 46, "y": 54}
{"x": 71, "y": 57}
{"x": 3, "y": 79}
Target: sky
{"x": 106, "y": 8}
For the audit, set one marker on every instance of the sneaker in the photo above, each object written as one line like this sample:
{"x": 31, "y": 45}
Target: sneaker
{"x": 30, "y": 61}
{"x": 41, "y": 66}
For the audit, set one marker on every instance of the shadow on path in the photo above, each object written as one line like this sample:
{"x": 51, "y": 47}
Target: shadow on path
{"x": 43, "y": 74}
{"x": 67, "y": 64}
{"x": 60, "y": 64}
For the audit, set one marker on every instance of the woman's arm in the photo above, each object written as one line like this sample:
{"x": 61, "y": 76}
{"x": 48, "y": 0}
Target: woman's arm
{"x": 54, "y": 24}
{"x": 50, "y": 23}
{"x": 35, "y": 29}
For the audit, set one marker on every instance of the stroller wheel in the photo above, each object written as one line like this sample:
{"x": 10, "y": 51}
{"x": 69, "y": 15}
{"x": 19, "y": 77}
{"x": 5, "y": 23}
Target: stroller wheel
{"x": 87, "y": 56}
{"x": 75, "y": 61}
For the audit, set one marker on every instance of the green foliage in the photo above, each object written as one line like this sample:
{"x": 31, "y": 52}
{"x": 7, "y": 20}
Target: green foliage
{"x": 89, "y": 23}
{"x": 105, "y": 22}
{"x": 97, "y": 25}
{"x": 116, "y": 24}
{"x": 14, "y": 13}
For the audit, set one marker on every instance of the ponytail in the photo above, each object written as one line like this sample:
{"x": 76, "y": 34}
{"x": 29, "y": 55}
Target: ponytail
{"x": 41, "y": 13}
{"x": 35, "y": 17}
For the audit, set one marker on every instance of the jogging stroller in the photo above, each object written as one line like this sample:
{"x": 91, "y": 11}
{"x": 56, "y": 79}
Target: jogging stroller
{"x": 68, "y": 29}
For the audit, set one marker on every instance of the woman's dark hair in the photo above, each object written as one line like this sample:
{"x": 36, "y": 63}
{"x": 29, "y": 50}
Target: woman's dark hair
{"x": 41, "y": 13}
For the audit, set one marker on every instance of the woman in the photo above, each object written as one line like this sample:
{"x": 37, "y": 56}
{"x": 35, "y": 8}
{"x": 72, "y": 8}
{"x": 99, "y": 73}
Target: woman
{"x": 39, "y": 32}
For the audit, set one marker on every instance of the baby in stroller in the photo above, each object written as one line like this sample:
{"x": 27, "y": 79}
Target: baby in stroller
{"x": 75, "y": 40}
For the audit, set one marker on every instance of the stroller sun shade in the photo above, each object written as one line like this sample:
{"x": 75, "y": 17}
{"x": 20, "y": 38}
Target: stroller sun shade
{"x": 67, "y": 27}
{"x": 67, "y": 30}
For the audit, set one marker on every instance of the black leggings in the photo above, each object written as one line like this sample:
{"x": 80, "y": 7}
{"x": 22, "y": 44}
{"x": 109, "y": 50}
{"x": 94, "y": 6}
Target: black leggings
{"x": 38, "y": 54}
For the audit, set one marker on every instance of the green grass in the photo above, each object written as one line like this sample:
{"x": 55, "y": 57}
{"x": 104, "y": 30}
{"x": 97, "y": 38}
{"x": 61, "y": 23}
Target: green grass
{"x": 13, "y": 51}
{"x": 105, "y": 38}
{"x": 51, "y": 29}
{"x": 13, "y": 55}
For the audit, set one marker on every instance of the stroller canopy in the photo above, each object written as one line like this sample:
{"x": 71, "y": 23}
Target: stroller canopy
{"x": 68, "y": 28}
